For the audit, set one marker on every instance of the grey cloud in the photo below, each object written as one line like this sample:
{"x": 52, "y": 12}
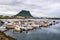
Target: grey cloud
{"x": 10, "y": 2}
{"x": 42, "y": 7}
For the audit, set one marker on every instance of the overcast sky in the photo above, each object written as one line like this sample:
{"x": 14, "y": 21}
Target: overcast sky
{"x": 39, "y": 8}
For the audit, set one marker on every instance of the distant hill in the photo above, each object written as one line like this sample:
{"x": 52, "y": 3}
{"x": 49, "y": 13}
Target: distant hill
{"x": 25, "y": 14}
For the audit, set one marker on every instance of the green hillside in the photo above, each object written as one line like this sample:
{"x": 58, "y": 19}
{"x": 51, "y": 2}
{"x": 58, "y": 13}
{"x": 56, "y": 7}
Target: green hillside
{"x": 25, "y": 14}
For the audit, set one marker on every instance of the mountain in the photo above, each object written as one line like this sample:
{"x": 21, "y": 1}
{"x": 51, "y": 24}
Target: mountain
{"x": 24, "y": 13}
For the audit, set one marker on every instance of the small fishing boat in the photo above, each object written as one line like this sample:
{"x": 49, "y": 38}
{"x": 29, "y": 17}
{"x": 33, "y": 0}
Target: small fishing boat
{"x": 9, "y": 26}
{"x": 17, "y": 29}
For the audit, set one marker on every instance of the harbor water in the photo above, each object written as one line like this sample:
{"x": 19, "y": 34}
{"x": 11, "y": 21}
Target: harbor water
{"x": 43, "y": 33}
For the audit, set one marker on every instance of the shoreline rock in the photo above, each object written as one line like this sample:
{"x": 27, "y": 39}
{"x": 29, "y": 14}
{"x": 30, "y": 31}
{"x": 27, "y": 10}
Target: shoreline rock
{"x": 3, "y": 36}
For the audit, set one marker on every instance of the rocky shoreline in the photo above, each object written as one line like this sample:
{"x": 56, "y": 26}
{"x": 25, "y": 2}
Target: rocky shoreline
{"x": 3, "y": 36}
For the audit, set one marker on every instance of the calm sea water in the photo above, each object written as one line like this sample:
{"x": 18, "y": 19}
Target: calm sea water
{"x": 48, "y": 33}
